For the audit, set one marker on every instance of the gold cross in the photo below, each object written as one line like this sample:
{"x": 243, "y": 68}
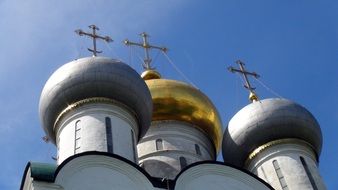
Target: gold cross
{"x": 147, "y": 47}
{"x": 94, "y": 36}
{"x": 253, "y": 97}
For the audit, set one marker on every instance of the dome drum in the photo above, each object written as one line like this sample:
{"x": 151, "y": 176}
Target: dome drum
{"x": 94, "y": 100}
{"x": 270, "y": 144}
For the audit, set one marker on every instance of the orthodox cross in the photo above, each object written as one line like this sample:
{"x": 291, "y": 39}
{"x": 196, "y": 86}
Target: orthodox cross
{"x": 253, "y": 97}
{"x": 94, "y": 36}
{"x": 147, "y": 47}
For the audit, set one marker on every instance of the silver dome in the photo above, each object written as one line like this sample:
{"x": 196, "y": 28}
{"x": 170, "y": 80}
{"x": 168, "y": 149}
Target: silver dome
{"x": 94, "y": 77}
{"x": 265, "y": 121}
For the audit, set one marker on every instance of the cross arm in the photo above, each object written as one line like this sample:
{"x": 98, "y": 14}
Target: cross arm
{"x": 231, "y": 69}
{"x": 127, "y": 42}
{"x": 106, "y": 38}
{"x": 81, "y": 33}
{"x": 164, "y": 49}
{"x": 147, "y": 46}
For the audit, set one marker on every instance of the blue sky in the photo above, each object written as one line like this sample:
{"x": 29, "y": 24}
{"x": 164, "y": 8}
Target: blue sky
{"x": 293, "y": 45}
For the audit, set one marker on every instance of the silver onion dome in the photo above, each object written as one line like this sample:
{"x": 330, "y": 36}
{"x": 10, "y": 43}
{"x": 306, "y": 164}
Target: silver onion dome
{"x": 94, "y": 77}
{"x": 265, "y": 121}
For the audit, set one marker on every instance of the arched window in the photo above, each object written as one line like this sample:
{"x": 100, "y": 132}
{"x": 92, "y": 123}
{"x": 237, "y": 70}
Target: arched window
{"x": 280, "y": 175}
{"x": 308, "y": 173}
{"x": 159, "y": 144}
{"x": 183, "y": 162}
{"x": 109, "y": 135}
{"x": 197, "y": 149}
{"x": 77, "y": 140}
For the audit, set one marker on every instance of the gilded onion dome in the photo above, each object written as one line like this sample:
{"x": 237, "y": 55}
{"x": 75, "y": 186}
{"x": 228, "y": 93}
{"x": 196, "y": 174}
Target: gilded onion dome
{"x": 174, "y": 100}
{"x": 94, "y": 79}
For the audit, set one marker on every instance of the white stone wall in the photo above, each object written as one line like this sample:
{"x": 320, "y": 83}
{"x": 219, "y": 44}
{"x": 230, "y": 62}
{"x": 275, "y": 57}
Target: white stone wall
{"x": 91, "y": 136}
{"x": 292, "y": 173}
{"x": 217, "y": 177}
{"x": 179, "y": 139}
{"x": 100, "y": 172}
{"x": 40, "y": 185}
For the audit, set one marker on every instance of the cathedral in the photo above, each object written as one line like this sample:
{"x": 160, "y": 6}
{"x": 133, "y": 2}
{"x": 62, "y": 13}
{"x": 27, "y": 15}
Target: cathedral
{"x": 116, "y": 129}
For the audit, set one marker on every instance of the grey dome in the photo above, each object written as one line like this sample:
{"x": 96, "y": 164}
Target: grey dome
{"x": 265, "y": 121}
{"x": 94, "y": 77}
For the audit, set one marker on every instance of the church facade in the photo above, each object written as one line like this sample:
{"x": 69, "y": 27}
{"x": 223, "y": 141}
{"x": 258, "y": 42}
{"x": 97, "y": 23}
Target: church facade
{"x": 115, "y": 129}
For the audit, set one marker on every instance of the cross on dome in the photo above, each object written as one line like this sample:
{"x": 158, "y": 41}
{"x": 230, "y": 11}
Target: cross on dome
{"x": 253, "y": 96}
{"x": 147, "y": 47}
{"x": 94, "y": 36}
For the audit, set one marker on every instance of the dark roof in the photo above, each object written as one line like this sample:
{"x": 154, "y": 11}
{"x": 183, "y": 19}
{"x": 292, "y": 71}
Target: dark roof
{"x": 42, "y": 171}
{"x": 39, "y": 172}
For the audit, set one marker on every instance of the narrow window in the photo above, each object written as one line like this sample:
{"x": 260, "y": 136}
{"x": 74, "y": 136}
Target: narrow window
{"x": 133, "y": 144}
{"x": 308, "y": 173}
{"x": 77, "y": 137}
{"x": 58, "y": 143}
{"x": 197, "y": 149}
{"x": 265, "y": 178}
{"x": 159, "y": 144}
{"x": 280, "y": 175}
{"x": 183, "y": 162}
{"x": 109, "y": 135}
{"x": 58, "y": 147}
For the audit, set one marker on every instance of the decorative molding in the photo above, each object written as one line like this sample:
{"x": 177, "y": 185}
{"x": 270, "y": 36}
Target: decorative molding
{"x": 261, "y": 148}
{"x": 90, "y": 101}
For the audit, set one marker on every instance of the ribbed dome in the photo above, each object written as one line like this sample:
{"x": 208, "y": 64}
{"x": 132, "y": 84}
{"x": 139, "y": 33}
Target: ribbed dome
{"x": 265, "y": 121}
{"x": 174, "y": 100}
{"x": 94, "y": 77}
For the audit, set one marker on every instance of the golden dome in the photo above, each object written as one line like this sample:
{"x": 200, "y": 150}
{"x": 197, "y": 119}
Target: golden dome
{"x": 150, "y": 74}
{"x": 174, "y": 100}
